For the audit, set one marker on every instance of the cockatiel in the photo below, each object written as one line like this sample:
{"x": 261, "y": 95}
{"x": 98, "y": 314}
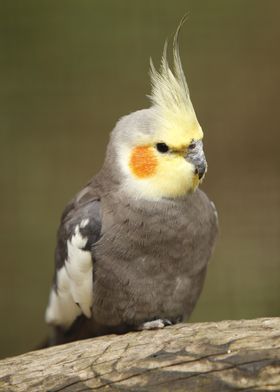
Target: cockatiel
{"x": 134, "y": 244}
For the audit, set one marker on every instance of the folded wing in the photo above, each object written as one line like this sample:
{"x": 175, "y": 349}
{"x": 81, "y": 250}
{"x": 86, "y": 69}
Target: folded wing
{"x": 71, "y": 294}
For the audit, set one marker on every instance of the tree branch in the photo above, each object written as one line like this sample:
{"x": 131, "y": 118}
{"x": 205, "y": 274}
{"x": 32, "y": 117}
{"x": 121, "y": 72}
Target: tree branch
{"x": 223, "y": 356}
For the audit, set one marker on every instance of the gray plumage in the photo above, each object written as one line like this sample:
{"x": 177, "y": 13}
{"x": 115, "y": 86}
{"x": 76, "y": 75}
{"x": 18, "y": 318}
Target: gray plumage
{"x": 149, "y": 257}
{"x": 134, "y": 244}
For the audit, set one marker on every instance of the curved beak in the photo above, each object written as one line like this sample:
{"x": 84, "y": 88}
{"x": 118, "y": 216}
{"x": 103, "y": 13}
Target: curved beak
{"x": 197, "y": 158}
{"x": 200, "y": 169}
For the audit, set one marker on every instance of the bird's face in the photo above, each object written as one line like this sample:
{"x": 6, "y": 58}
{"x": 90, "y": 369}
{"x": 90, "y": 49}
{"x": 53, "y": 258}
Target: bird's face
{"x": 160, "y": 149}
{"x": 159, "y": 163}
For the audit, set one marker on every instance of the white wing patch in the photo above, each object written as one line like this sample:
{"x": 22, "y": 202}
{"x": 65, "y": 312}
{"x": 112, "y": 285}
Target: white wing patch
{"x": 74, "y": 283}
{"x": 62, "y": 310}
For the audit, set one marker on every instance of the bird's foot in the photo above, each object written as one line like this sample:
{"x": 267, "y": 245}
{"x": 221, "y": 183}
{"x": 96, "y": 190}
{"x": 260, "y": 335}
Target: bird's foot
{"x": 154, "y": 324}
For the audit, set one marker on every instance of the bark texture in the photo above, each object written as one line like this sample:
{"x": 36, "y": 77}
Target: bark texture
{"x": 225, "y": 356}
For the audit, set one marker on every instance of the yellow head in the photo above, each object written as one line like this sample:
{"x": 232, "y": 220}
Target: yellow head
{"x": 160, "y": 149}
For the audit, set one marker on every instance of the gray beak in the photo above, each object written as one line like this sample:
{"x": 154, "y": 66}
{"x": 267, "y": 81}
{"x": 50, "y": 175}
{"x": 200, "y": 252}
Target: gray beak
{"x": 200, "y": 169}
{"x": 197, "y": 158}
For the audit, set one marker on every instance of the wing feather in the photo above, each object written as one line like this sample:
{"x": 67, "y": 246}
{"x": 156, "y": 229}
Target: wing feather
{"x": 80, "y": 228}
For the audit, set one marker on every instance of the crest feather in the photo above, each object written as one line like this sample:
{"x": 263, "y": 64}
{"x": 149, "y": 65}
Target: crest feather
{"x": 170, "y": 93}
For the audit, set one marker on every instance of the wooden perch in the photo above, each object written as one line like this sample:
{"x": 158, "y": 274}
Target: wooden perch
{"x": 224, "y": 356}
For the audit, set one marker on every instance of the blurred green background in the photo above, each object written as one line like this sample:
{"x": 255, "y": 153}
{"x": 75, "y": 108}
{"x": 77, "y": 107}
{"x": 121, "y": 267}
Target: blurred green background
{"x": 69, "y": 70}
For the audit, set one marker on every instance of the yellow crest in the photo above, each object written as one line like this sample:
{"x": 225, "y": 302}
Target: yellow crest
{"x": 176, "y": 119}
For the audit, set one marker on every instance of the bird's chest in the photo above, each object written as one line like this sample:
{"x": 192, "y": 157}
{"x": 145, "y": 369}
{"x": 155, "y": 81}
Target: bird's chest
{"x": 146, "y": 258}
{"x": 152, "y": 238}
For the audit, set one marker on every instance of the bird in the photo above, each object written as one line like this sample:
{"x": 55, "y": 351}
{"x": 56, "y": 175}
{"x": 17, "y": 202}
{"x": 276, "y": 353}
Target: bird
{"x": 134, "y": 244}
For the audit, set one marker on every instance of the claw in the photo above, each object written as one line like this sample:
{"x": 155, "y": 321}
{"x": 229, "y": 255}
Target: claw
{"x": 154, "y": 324}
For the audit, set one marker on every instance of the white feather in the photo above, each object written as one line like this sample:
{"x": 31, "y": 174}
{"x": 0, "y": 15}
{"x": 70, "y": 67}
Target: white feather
{"x": 62, "y": 310}
{"x": 79, "y": 270}
{"x": 74, "y": 283}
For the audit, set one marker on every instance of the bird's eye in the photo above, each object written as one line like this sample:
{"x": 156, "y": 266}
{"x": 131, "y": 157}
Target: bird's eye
{"x": 162, "y": 147}
{"x": 192, "y": 146}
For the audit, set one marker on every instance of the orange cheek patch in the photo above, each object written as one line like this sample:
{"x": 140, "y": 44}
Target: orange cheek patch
{"x": 143, "y": 161}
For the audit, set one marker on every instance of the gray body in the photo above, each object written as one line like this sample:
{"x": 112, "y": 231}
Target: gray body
{"x": 149, "y": 257}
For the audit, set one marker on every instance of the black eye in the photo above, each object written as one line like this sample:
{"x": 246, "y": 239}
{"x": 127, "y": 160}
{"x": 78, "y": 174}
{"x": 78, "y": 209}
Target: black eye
{"x": 192, "y": 146}
{"x": 162, "y": 147}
